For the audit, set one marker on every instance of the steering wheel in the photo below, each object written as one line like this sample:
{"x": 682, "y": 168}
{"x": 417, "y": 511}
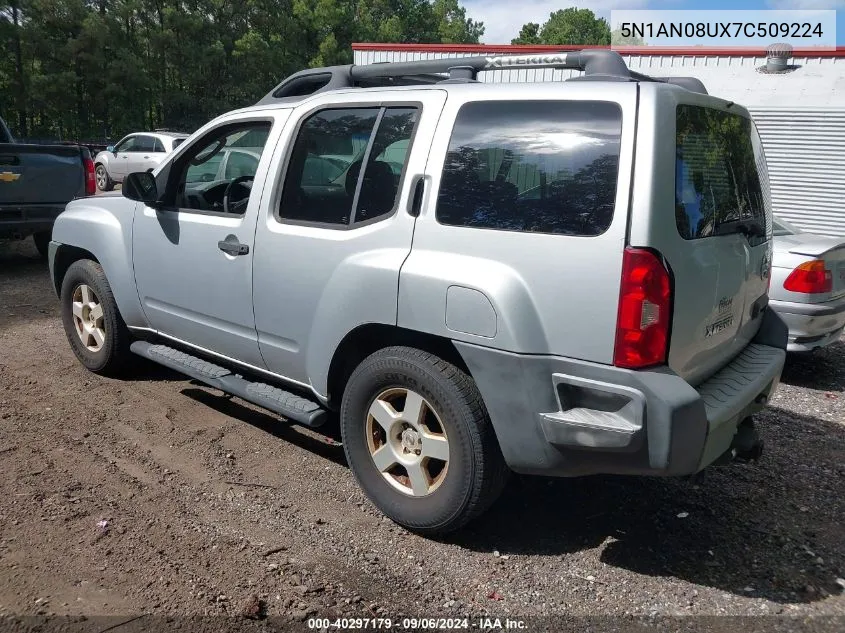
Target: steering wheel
{"x": 237, "y": 204}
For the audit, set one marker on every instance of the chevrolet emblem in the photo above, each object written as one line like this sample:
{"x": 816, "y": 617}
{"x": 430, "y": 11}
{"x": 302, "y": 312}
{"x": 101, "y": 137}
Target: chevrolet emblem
{"x": 8, "y": 176}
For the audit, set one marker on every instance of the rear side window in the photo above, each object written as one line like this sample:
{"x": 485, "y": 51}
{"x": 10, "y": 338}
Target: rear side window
{"x": 347, "y": 164}
{"x": 533, "y": 166}
{"x": 159, "y": 146}
{"x": 145, "y": 144}
{"x": 718, "y": 166}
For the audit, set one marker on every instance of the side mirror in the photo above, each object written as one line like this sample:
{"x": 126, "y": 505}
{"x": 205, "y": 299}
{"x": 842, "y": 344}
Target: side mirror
{"x": 110, "y": 148}
{"x": 141, "y": 187}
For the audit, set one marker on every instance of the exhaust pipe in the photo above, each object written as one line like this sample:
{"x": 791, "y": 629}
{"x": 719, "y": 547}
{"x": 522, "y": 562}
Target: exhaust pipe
{"x": 747, "y": 445}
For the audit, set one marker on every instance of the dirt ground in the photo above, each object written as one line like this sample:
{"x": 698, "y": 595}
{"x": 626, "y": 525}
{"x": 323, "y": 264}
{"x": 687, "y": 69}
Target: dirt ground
{"x": 158, "y": 496}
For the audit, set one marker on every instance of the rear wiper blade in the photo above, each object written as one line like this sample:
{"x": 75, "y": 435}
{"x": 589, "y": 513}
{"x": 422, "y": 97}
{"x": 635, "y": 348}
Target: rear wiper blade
{"x": 748, "y": 228}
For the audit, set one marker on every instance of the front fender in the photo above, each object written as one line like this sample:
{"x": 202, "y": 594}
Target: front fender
{"x": 103, "y": 227}
{"x": 104, "y": 159}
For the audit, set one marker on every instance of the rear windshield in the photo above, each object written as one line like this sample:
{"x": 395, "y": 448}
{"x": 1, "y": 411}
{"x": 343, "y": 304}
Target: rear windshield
{"x": 532, "y": 166}
{"x": 720, "y": 172}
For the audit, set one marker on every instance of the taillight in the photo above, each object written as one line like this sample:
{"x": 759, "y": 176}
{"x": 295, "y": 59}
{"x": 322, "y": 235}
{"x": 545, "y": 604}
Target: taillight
{"x": 645, "y": 303}
{"x": 90, "y": 179}
{"x": 810, "y": 278}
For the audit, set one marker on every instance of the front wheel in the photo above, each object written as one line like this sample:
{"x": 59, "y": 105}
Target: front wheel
{"x": 104, "y": 182}
{"x": 93, "y": 325}
{"x": 419, "y": 441}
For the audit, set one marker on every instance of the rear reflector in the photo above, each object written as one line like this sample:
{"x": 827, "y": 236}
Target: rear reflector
{"x": 645, "y": 304}
{"x": 810, "y": 278}
{"x": 90, "y": 180}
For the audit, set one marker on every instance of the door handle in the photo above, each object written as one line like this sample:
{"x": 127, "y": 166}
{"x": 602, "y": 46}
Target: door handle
{"x": 233, "y": 247}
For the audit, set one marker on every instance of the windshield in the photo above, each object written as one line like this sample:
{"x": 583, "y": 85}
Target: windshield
{"x": 720, "y": 172}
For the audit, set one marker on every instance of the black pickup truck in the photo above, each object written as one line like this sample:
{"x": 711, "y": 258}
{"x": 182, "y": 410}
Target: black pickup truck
{"x": 36, "y": 182}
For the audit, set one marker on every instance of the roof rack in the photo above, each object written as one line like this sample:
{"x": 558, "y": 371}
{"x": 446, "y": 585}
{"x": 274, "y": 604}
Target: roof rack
{"x": 602, "y": 65}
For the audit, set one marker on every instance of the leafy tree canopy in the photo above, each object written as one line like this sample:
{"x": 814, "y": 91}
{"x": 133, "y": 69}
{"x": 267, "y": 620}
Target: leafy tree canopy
{"x": 93, "y": 69}
{"x": 567, "y": 26}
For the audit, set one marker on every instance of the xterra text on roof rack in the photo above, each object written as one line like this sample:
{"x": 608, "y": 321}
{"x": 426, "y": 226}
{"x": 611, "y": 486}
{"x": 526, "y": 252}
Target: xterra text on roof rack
{"x": 477, "y": 278}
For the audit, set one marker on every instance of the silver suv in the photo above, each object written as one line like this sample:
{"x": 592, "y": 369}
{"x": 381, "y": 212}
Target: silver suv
{"x": 477, "y": 278}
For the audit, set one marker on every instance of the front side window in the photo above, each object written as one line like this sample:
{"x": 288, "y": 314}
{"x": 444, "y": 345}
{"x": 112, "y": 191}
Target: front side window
{"x": 126, "y": 145}
{"x": 324, "y": 183}
{"x": 200, "y": 185}
{"x": 718, "y": 167}
{"x": 532, "y": 166}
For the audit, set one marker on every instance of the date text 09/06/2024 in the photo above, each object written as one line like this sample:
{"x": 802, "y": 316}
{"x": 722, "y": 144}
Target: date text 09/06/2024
{"x": 416, "y": 624}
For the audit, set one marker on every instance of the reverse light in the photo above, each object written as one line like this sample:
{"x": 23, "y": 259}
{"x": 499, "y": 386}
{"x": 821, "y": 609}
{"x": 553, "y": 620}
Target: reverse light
{"x": 90, "y": 179}
{"x": 810, "y": 278}
{"x": 645, "y": 304}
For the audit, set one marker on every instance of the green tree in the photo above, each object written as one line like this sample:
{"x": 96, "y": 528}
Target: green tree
{"x": 570, "y": 26}
{"x": 96, "y": 69}
{"x": 528, "y": 34}
{"x": 453, "y": 25}
{"x": 617, "y": 39}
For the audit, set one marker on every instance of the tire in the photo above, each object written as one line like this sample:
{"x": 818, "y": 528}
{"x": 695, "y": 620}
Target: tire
{"x": 105, "y": 352}
{"x": 42, "y": 242}
{"x": 454, "y": 490}
{"x": 101, "y": 175}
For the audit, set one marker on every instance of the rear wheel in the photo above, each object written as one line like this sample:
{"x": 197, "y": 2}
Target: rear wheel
{"x": 104, "y": 182}
{"x": 419, "y": 441}
{"x": 93, "y": 325}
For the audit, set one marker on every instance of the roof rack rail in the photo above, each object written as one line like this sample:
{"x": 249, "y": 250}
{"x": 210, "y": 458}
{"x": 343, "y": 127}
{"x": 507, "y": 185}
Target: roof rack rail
{"x": 603, "y": 65}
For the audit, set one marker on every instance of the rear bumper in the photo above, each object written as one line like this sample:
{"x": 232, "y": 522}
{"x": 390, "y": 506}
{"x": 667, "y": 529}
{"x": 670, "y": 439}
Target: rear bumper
{"x": 25, "y": 219}
{"x": 811, "y": 325}
{"x": 565, "y": 417}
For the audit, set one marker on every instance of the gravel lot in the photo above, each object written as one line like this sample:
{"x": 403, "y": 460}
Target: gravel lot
{"x": 159, "y": 496}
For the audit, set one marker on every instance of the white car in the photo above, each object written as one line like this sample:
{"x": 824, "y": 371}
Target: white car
{"x": 808, "y": 286}
{"x": 135, "y": 152}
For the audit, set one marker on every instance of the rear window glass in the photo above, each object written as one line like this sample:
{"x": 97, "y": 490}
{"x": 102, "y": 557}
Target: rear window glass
{"x": 533, "y": 166}
{"x": 719, "y": 171}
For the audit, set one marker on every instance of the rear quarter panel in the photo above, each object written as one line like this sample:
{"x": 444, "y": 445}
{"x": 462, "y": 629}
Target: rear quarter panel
{"x": 103, "y": 226}
{"x": 518, "y": 291}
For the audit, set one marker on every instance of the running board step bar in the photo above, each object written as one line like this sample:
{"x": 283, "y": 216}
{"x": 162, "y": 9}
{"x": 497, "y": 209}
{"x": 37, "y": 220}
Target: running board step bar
{"x": 289, "y": 405}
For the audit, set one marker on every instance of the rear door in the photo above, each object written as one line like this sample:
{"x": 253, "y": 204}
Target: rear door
{"x": 334, "y": 232}
{"x": 706, "y": 209}
{"x": 40, "y": 174}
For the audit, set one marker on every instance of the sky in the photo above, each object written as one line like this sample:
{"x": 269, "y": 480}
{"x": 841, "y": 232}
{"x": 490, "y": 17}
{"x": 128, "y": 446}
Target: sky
{"x": 504, "y": 18}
